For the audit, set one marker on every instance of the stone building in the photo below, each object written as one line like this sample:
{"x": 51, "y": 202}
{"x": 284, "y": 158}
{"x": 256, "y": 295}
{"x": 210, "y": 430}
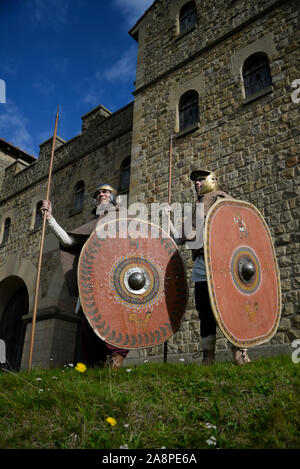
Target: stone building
{"x": 218, "y": 75}
{"x": 100, "y": 153}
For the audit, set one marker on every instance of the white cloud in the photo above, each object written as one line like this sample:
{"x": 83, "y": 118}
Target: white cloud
{"x": 91, "y": 98}
{"x": 122, "y": 72}
{"x": 123, "y": 69}
{"x": 132, "y": 9}
{"x": 13, "y": 127}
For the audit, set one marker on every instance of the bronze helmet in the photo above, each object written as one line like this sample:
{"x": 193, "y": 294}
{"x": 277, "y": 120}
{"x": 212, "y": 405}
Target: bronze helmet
{"x": 210, "y": 180}
{"x": 107, "y": 187}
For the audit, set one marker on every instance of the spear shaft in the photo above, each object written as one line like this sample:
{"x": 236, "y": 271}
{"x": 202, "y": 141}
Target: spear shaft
{"x": 170, "y": 176}
{"x": 41, "y": 248}
{"x": 169, "y": 215}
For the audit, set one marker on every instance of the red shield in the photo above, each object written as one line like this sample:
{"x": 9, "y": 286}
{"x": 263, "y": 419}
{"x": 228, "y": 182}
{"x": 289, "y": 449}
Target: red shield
{"x": 242, "y": 273}
{"x": 133, "y": 290}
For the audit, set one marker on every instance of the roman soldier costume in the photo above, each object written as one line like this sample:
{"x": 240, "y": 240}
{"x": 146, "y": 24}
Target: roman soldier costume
{"x": 91, "y": 349}
{"x": 208, "y": 194}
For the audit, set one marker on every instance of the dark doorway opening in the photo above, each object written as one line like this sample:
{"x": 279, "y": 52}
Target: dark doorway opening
{"x": 12, "y": 327}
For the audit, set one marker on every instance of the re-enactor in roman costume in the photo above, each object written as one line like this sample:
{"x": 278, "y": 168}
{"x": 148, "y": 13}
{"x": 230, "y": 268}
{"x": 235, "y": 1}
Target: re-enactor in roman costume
{"x": 206, "y": 187}
{"x": 93, "y": 350}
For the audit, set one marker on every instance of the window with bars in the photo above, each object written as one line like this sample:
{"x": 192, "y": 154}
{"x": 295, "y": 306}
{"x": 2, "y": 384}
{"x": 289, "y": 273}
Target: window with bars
{"x": 6, "y": 230}
{"x": 38, "y": 215}
{"x": 188, "y": 110}
{"x": 256, "y": 74}
{"x": 124, "y": 176}
{"x": 78, "y": 196}
{"x": 187, "y": 17}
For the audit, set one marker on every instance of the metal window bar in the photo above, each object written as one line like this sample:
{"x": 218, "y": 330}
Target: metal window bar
{"x": 256, "y": 74}
{"x": 79, "y": 195}
{"x": 188, "y": 16}
{"x": 38, "y": 215}
{"x": 6, "y": 230}
{"x": 188, "y": 110}
{"x": 125, "y": 179}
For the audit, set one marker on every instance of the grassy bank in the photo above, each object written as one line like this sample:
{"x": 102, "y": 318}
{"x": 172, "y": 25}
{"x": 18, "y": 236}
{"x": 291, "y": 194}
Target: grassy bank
{"x": 152, "y": 406}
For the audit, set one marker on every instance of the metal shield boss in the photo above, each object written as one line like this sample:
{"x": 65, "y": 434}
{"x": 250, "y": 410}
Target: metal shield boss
{"x": 132, "y": 286}
{"x": 242, "y": 273}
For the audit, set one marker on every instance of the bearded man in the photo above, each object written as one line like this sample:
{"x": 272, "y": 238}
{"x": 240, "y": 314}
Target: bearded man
{"x": 92, "y": 349}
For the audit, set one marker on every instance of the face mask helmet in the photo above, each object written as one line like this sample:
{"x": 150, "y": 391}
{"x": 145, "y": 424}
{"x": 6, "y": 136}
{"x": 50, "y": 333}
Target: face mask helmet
{"x": 108, "y": 187}
{"x": 210, "y": 180}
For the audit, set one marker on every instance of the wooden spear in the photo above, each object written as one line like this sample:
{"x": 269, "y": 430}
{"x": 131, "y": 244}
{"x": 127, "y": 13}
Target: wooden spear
{"x": 169, "y": 215}
{"x": 41, "y": 248}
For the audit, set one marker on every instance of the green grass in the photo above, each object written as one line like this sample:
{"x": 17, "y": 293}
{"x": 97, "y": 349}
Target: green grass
{"x": 172, "y": 406}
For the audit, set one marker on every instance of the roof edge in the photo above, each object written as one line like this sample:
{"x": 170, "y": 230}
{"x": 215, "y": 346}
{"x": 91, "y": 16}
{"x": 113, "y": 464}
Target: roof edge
{"x": 133, "y": 33}
{"x": 17, "y": 151}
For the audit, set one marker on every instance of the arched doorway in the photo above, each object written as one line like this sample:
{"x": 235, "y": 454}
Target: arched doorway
{"x": 14, "y": 305}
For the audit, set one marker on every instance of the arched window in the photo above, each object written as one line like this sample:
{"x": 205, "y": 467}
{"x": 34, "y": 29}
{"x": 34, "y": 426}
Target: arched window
{"x": 188, "y": 110}
{"x": 78, "y": 196}
{"x": 124, "y": 176}
{"x": 256, "y": 74}
{"x": 6, "y": 230}
{"x": 187, "y": 16}
{"x": 38, "y": 215}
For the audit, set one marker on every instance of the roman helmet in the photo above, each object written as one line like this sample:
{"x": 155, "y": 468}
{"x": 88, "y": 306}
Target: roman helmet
{"x": 210, "y": 180}
{"x": 107, "y": 187}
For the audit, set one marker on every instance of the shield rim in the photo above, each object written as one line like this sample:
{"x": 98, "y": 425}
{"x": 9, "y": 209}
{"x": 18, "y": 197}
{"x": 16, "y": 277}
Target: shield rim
{"x": 128, "y": 346}
{"x": 268, "y": 336}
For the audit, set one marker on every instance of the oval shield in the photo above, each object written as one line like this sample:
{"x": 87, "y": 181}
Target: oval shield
{"x": 132, "y": 283}
{"x": 242, "y": 273}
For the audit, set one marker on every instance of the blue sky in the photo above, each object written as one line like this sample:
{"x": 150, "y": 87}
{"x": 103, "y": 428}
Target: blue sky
{"x": 75, "y": 54}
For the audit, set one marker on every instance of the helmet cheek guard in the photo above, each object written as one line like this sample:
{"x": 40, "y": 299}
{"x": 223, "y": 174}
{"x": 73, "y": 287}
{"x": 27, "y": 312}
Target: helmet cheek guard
{"x": 113, "y": 199}
{"x": 210, "y": 180}
{"x": 210, "y": 185}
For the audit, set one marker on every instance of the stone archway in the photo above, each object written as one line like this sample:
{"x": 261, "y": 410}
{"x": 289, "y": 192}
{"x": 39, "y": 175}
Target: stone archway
{"x": 14, "y": 305}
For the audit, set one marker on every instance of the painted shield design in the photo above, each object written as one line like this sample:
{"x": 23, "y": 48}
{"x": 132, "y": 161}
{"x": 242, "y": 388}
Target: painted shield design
{"x": 242, "y": 273}
{"x": 132, "y": 288}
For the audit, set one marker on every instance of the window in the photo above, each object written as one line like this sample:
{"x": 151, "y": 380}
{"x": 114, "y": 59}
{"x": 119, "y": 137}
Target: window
{"x": 256, "y": 74}
{"x": 38, "y": 216}
{"x": 187, "y": 16}
{"x": 188, "y": 110}
{"x": 6, "y": 230}
{"x": 78, "y": 196}
{"x": 124, "y": 176}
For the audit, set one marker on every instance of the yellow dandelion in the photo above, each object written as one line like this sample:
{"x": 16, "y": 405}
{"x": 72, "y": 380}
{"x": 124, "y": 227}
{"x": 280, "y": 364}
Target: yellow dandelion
{"x": 111, "y": 420}
{"x": 80, "y": 367}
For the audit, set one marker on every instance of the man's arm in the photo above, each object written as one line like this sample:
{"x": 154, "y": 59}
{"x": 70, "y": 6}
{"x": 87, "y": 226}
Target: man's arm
{"x": 65, "y": 239}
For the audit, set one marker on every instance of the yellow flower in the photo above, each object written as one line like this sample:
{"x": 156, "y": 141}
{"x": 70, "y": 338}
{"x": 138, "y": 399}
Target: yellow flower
{"x": 80, "y": 367}
{"x": 111, "y": 420}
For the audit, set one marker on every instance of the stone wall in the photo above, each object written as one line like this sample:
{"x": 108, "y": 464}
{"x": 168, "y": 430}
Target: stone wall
{"x": 252, "y": 145}
{"x": 161, "y": 46}
{"x": 94, "y": 156}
